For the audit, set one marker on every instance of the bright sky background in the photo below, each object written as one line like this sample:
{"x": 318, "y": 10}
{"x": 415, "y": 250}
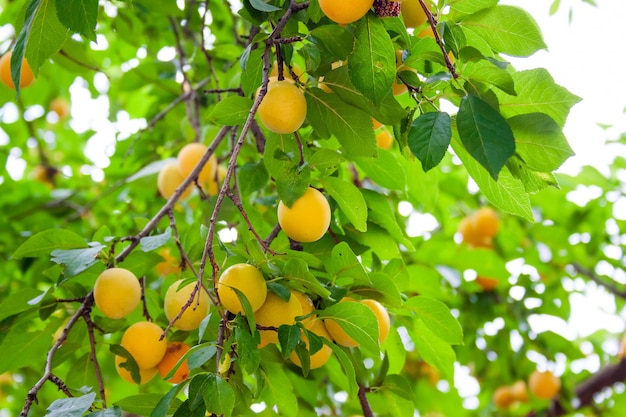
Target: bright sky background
{"x": 586, "y": 55}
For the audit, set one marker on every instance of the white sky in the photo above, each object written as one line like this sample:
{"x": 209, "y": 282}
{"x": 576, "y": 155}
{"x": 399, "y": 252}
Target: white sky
{"x": 585, "y": 55}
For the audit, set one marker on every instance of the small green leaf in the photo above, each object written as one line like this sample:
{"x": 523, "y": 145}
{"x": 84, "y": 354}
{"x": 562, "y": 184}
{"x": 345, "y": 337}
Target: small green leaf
{"x": 434, "y": 350}
{"x": 71, "y": 407}
{"x": 230, "y": 111}
{"x": 358, "y": 321}
{"x": 352, "y": 127}
{"x": 282, "y": 161}
{"x": 262, "y": 6}
{"x": 381, "y": 213}
{"x": 485, "y": 134}
{"x": 508, "y": 193}
{"x": 345, "y": 264}
{"x": 45, "y": 242}
{"x": 77, "y": 260}
{"x": 540, "y": 142}
{"x": 350, "y": 200}
{"x": 164, "y": 406}
{"x": 109, "y": 412}
{"x": 507, "y": 29}
{"x": 80, "y": 16}
{"x": 288, "y": 336}
{"x": 437, "y": 317}
{"x": 150, "y": 243}
{"x": 144, "y": 404}
{"x": 219, "y": 396}
{"x": 372, "y": 64}
{"x": 429, "y": 138}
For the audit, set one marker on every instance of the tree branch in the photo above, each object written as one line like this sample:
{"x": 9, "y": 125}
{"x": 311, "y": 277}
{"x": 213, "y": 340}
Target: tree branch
{"x": 433, "y": 25}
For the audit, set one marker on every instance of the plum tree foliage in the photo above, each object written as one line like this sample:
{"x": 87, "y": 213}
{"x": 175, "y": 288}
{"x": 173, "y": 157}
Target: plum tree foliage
{"x": 81, "y": 194}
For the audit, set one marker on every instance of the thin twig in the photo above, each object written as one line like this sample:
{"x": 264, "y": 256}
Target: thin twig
{"x": 94, "y": 357}
{"x": 433, "y": 24}
{"x": 365, "y": 405}
{"x": 595, "y": 278}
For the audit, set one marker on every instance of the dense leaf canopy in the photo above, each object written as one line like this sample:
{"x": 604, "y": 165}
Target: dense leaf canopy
{"x": 475, "y": 303}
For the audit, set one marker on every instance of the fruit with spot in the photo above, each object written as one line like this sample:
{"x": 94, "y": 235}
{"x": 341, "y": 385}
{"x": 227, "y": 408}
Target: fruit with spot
{"x": 173, "y": 354}
{"x": 307, "y": 220}
{"x": 117, "y": 292}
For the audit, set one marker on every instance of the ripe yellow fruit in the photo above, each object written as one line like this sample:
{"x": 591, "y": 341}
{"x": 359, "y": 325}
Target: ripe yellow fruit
{"x": 343, "y": 11}
{"x": 283, "y": 108}
{"x": 274, "y": 313}
{"x": 60, "y": 107}
{"x": 503, "y": 397}
{"x": 382, "y": 316}
{"x": 519, "y": 391}
{"x": 175, "y": 351}
{"x": 413, "y": 14}
{"x": 307, "y": 305}
{"x": 247, "y": 279}
{"x": 213, "y": 185}
{"x": 169, "y": 180}
{"x": 170, "y": 264}
{"x": 117, "y": 292}
{"x": 486, "y": 283}
{"x": 145, "y": 375}
{"x": 26, "y": 76}
{"x": 307, "y": 219}
{"x": 486, "y": 220}
{"x": 544, "y": 384}
{"x": 176, "y": 298}
{"x": 384, "y": 139}
{"x": 189, "y": 156}
{"x": 319, "y": 358}
{"x": 141, "y": 340}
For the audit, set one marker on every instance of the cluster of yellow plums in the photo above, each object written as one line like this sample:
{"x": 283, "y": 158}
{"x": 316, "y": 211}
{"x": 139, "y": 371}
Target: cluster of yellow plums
{"x": 543, "y": 385}
{"x": 478, "y": 230}
{"x": 117, "y": 293}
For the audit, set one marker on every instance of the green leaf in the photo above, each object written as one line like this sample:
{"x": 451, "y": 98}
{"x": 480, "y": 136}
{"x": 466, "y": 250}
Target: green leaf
{"x": 381, "y": 213}
{"x": 42, "y": 34}
{"x": 434, "y": 350}
{"x": 77, "y": 260}
{"x": 288, "y": 336}
{"x": 230, "y": 111}
{"x": 143, "y": 404}
{"x": 71, "y": 407}
{"x": 489, "y": 74}
{"x": 485, "y": 134}
{"x": 31, "y": 345}
{"x": 80, "y": 16}
{"x": 533, "y": 180}
{"x": 297, "y": 272}
{"x": 537, "y": 93}
{"x": 165, "y": 406}
{"x": 350, "y": 200}
{"x": 334, "y": 39}
{"x": 345, "y": 264}
{"x": 508, "y": 193}
{"x": 507, "y": 29}
{"x": 109, "y": 412}
{"x": 219, "y": 396}
{"x": 429, "y": 138}
{"x": 385, "y": 170}
{"x": 347, "y": 367}
{"x": 150, "y": 243}
{"x": 372, "y": 64}
{"x": 280, "y": 388}
{"x": 351, "y": 126}
{"x": 45, "y": 242}
{"x": 437, "y": 317}
{"x": 247, "y": 350}
{"x": 540, "y": 142}
{"x": 472, "y": 6}
{"x": 358, "y": 321}
{"x": 262, "y": 6}
{"x": 18, "y": 301}
{"x": 282, "y": 161}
